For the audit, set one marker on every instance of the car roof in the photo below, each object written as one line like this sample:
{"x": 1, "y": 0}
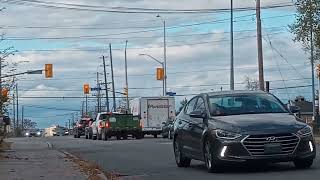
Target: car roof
{"x": 237, "y": 92}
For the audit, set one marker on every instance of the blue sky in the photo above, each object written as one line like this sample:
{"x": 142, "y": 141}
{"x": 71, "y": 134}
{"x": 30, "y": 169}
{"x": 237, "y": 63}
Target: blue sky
{"x": 192, "y": 68}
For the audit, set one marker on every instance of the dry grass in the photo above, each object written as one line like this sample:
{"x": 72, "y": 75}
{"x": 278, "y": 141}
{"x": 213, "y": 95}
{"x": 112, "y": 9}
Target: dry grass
{"x": 5, "y": 146}
{"x": 91, "y": 170}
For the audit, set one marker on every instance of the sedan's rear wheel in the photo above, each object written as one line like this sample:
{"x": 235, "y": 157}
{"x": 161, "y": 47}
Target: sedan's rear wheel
{"x": 181, "y": 160}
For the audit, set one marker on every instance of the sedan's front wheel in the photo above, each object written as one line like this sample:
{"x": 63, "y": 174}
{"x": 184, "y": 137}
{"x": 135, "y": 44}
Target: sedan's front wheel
{"x": 209, "y": 157}
{"x": 181, "y": 160}
{"x": 303, "y": 163}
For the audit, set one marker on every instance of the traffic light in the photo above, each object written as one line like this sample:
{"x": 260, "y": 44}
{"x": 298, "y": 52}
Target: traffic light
{"x": 86, "y": 89}
{"x": 4, "y": 92}
{"x": 48, "y": 71}
{"x": 125, "y": 92}
{"x": 160, "y": 74}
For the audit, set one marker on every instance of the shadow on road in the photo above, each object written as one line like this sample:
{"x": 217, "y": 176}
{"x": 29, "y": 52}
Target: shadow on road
{"x": 253, "y": 168}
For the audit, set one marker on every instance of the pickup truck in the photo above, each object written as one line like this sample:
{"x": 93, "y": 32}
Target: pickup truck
{"x": 107, "y": 125}
{"x": 79, "y": 128}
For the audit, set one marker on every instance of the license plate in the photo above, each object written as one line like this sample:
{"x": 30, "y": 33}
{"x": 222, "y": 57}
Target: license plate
{"x": 272, "y": 148}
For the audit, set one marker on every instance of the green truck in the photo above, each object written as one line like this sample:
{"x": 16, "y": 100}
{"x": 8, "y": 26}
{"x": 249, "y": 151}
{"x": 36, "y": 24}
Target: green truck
{"x": 119, "y": 125}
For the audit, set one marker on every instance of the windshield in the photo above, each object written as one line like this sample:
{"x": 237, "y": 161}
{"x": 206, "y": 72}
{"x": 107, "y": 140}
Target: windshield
{"x": 244, "y": 104}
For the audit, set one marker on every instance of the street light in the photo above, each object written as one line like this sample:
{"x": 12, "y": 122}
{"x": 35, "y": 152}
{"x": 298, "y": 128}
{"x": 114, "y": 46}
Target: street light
{"x": 164, "y": 53}
{"x": 165, "y": 72}
{"x": 27, "y": 72}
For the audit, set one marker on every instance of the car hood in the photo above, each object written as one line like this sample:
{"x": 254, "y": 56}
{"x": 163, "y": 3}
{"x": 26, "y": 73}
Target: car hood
{"x": 259, "y": 123}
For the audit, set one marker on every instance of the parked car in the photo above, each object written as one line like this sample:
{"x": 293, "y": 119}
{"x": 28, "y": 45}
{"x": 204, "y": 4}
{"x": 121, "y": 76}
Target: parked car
{"x": 109, "y": 124}
{"x": 167, "y": 129}
{"x": 241, "y": 126}
{"x": 79, "y": 128}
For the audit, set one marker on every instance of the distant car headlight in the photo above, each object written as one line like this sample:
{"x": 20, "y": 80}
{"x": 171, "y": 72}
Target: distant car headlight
{"x": 226, "y": 134}
{"x": 27, "y": 134}
{"x": 38, "y": 133}
{"x": 306, "y": 131}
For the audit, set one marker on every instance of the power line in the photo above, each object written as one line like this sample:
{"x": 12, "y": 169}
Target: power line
{"x": 125, "y": 10}
{"x": 150, "y": 47}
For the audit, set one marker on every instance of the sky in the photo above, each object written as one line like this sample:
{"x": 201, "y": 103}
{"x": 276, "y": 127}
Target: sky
{"x": 198, "y": 51}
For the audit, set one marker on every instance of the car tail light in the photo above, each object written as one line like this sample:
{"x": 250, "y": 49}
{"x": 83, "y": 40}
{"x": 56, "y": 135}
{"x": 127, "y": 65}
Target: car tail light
{"x": 108, "y": 124}
{"x": 79, "y": 125}
{"x": 100, "y": 124}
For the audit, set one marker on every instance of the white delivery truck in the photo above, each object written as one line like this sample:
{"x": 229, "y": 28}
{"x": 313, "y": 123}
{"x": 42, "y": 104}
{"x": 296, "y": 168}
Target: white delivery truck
{"x": 153, "y": 111}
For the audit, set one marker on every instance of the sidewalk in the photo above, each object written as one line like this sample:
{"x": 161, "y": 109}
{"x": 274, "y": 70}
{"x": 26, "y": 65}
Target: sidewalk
{"x": 32, "y": 159}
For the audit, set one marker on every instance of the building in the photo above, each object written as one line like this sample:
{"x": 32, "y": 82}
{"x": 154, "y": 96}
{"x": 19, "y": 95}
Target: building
{"x": 306, "y": 109}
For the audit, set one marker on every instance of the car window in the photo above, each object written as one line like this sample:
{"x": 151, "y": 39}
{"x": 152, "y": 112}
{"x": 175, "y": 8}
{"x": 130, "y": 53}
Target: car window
{"x": 200, "y": 105}
{"x": 244, "y": 104}
{"x": 191, "y": 105}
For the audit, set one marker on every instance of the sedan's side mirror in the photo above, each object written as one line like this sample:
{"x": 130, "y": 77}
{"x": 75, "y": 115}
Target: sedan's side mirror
{"x": 198, "y": 114}
{"x": 294, "y": 109}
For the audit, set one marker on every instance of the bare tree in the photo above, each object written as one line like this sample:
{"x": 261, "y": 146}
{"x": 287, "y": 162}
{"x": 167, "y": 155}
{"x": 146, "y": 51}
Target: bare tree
{"x": 29, "y": 124}
{"x": 251, "y": 83}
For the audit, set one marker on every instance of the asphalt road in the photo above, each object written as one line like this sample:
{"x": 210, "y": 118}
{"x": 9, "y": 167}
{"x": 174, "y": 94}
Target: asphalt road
{"x": 151, "y": 158}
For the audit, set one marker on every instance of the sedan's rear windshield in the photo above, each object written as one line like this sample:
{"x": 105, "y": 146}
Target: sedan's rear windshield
{"x": 224, "y": 105}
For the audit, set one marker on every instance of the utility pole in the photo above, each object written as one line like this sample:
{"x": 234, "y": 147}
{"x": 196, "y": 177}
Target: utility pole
{"x": 259, "y": 44}
{"x": 112, "y": 76}
{"x": 17, "y": 100}
{"x": 231, "y": 51}
{"x": 312, "y": 67}
{"x": 126, "y": 74}
{"x": 165, "y": 55}
{"x": 22, "y": 118}
{"x": 106, "y": 83}
{"x": 98, "y": 93}
{"x": 1, "y": 103}
{"x": 86, "y": 104}
{"x": 82, "y": 109}
{"x": 14, "y": 112}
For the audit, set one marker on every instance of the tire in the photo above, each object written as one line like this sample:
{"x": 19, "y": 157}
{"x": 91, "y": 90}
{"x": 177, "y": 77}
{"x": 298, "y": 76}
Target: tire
{"x": 181, "y": 160}
{"x": 139, "y": 135}
{"x": 99, "y": 136}
{"x": 86, "y": 136}
{"x": 118, "y": 137}
{"x": 170, "y": 135}
{"x": 303, "y": 163}
{"x": 155, "y": 135}
{"x": 94, "y": 137}
{"x": 211, "y": 165}
{"x": 104, "y": 136}
{"x": 164, "y": 136}
{"x": 125, "y": 136}
{"x": 75, "y": 136}
{"x": 90, "y": 136}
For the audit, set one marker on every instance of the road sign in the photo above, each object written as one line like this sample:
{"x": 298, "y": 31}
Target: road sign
{"x": 171, "y": 93}
{"x": 96, "y": 89}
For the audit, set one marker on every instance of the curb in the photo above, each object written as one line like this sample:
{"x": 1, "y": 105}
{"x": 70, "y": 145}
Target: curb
{"x": 100, "y": 174}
